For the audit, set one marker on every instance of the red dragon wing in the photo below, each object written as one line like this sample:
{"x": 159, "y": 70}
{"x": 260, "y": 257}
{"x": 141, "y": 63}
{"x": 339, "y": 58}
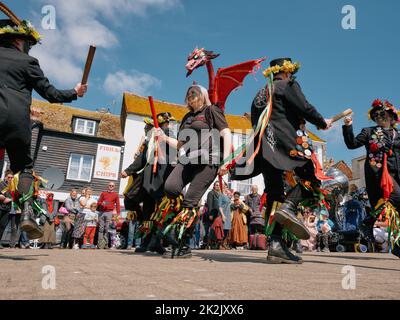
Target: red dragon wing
{"x": 232, "y": 77}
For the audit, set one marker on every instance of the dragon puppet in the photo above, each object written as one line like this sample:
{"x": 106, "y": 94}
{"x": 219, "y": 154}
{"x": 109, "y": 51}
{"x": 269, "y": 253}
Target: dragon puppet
{"x": 226, "y": 80}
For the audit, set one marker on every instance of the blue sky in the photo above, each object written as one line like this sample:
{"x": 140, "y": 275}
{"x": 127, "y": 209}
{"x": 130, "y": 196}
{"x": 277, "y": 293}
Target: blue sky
{"x": 143, "y": 46}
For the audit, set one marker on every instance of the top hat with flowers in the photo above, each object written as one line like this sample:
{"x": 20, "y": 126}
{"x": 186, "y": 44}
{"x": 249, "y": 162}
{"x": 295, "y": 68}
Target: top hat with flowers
{"x": 14, "y": 27}
{"x": 379, "y": 106}
{"x": 282, "y": 65}
{"x": 161, "y": 119}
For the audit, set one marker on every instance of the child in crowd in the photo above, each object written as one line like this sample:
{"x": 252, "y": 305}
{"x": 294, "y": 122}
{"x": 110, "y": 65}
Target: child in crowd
{"x": 310, "y": 220}
{"x": 324, "y": 227}
{"x": 112, "y": 231}
{"x": 91, "y": 219}
{"x": 381, "y": 233}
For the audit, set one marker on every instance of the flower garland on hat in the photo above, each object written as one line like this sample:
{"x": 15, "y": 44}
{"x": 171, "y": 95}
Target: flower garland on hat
{"x": 287, "y": 66}
{"x": 25, "y": 29}
{"x": 386, "y": 106}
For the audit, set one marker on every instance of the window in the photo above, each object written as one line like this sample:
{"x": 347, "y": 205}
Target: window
{"x": 244, "y": 187}
{"x": 83, "y": 126}
{"x": 80, "y": 167}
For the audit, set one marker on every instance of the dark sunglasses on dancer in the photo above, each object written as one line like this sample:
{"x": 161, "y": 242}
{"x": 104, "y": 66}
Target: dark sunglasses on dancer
{"x": 380, "y": 114}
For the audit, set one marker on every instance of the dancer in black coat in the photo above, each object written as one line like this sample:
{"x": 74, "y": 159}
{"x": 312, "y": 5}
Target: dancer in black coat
{"x": 20, "y": 74}
{"x": 285, "y": 146}
{"x": 380, "y": 141}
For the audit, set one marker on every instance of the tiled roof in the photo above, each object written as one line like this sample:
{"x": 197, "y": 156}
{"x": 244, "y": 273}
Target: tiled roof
{"x": 342, "y": 166}
{"x": 140, "y": 105}
{"x": 135, "y": 104}
{"x": 57, "y": 117}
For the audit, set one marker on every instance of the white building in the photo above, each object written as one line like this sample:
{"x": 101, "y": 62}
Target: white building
{"x": 357, "y": 166}
{"x": 135, "y": 108}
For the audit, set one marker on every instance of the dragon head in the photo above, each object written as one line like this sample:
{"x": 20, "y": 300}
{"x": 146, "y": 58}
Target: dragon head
{"x": 198, "y": 58}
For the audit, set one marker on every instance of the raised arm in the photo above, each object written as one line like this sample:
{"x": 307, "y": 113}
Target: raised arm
{"x": 298, "y": 102}
{"x": 348, "y": 135}
{"x": 42, "y": 86}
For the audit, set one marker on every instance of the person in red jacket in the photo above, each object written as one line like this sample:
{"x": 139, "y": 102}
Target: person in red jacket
{"x": 108, "y": 203}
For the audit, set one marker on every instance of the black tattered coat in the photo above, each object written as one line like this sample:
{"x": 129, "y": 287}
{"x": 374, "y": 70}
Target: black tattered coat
{"x": 20, "y": 74}
{"x": 373, "y": 174}
{"x": 146, "y": 180}
{"x": 290, "y": 110}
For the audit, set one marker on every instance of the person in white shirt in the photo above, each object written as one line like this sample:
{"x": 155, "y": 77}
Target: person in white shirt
{"x": 91, "y": 219}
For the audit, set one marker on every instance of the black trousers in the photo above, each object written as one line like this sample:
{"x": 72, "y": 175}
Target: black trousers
{"x": 15, "y": 137}
{"x": 148, "y": 205}
{"x": 200, "y": 178}
{"x": 274, "y": 180}
{"x": 274, "y": 189}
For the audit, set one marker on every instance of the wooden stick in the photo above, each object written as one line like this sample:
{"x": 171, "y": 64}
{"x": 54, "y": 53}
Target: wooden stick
{"x": 88, "y": 65}
{"x": 10, "y": 14}
{"x": 339, "y": 116}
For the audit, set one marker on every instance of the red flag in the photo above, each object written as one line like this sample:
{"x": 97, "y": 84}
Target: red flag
{"x": 386, "y": 181}
{"x": 318, "y": 169}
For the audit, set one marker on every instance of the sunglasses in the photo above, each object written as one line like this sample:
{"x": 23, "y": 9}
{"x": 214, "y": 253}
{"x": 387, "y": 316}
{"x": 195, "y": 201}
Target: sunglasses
{"x": 379, "y": 114}
{"x": 165, "y": 114}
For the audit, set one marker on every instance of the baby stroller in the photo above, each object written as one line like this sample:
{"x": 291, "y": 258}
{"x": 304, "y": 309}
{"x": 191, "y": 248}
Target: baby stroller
{"x": 347, "y": 237}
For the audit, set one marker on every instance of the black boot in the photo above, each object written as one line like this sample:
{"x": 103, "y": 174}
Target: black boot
{"x": 144, "y": 245}
{"x": 286, "y": 216}
{"x": 155, "y": 244}
{"x": 279, "y": 253}
{"x": 28, "y": 224}
{"x": 182, "y": 252}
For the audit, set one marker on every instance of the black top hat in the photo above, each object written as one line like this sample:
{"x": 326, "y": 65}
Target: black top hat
{"x": 279, "y": 62}
{"x": 7, "y": 22}
{"x": 9, "y": 29}
{"x": 162, "y": 118}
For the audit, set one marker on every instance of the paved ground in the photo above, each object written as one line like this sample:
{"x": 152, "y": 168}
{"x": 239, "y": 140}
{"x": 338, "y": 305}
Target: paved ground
{"x": 210, "y": 275}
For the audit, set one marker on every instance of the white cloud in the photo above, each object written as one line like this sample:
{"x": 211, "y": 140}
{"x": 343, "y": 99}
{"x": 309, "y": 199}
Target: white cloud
{"x": 333, "y": 136}
{"x": 81, "y": 23}
{"x": 134, "y": 81}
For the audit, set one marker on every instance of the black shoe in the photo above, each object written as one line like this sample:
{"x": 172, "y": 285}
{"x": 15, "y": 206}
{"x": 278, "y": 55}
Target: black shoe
{"x": 141, "y": 249}
{"x": 286, "y": 216}
{"x": 396, "y": 251}
{"x": 28, "y": 224}
{"x": 279, "y": 253}
{"x": 155, "y": 245}
{"x": 175, "y": 253}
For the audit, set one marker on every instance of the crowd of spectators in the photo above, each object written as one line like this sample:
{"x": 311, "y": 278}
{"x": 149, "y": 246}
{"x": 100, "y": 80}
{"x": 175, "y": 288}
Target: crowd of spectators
{"x": 228, "y": 221}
